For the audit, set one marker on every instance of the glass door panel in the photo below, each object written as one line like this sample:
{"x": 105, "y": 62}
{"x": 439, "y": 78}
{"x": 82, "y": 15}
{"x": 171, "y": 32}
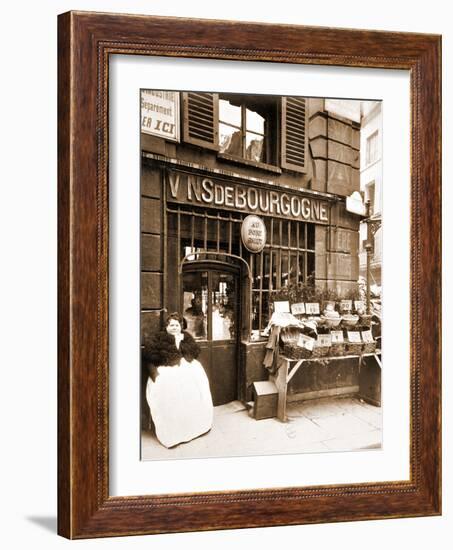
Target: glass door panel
{"x": 211, "y": 309}
{"x": 195, "y": 303}
{"x": 223, "y": 306}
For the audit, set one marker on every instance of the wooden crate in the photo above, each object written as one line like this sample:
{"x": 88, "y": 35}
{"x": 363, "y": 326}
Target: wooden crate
{"x": 265, "y": 397}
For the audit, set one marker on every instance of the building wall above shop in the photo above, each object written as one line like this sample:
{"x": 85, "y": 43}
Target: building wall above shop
{"x": 307, "y": 148}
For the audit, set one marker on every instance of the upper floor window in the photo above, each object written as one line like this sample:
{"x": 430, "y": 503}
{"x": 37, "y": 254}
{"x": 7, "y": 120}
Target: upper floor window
{"x": 245, "y": 128}
{"x": 372, "y": 148}
{"x": 268, "y": 132}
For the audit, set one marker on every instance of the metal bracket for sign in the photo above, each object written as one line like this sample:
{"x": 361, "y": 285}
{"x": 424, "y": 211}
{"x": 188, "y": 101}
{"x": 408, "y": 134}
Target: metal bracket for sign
{"x": 229, "y": 254}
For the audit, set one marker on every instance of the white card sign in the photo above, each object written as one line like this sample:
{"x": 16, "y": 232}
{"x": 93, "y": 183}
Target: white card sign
{"x": 324, "y": 340}
{"x": 354, "y": 337}
{"x": 281, "y": 307}
{"x": 337, "y": 336}
{"x": 346, "y": 305}
{"x": 367, "y": 337}
{"x": 359, "y": 305}
{"x": 298, "y": 309}
{"x": 312, "y": 308}
{"x": 305, "y": 341}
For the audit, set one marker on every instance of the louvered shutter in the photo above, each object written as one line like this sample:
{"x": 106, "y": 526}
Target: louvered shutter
{"x": 294, "y": 134}
{"x": 201, "y": 119}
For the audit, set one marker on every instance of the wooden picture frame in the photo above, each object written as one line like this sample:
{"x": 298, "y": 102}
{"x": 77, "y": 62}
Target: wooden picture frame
{"x": 85, "y": 41}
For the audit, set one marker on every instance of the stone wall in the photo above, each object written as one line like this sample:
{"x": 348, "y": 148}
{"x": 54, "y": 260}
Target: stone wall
{"x": 334, "y": 147}
{"x": 151, "y": 252}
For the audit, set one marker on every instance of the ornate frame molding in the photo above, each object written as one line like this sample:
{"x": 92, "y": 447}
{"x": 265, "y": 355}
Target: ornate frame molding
{"x": 86, "y": 40}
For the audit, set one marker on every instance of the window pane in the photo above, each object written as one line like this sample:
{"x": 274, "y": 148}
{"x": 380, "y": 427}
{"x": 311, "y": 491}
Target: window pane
{"x": 254, "y": 121}
{"x": 310, "y": 228}
{"x": 275, "y": 269}
{"x": 224, "y": 301}
{"x": 302, "y": 262}
{"x": 311, "y": 265}
{"x": 196, "y": 303}
{"x": 230, "y": 140}
{"x": 254, "y": 147}
{"x": 256, "y": 310}
{"x": 301, "y": 241}
{"x": 228, "y": 113}
{"x": 285, "y": 234}
{"x": 284, "y": 268}
{"x": 371, "y": 148}
{"x": 266, "y": 268}
{"x": 293, "y": 270}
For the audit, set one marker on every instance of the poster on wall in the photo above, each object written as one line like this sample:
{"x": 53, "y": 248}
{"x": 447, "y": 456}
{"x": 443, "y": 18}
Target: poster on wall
{"x": 160, "y": 114}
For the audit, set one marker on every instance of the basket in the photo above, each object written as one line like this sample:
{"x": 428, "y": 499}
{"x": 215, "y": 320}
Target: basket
{"x": 289, "y": 334}
{"x": 330, "y": 322}
{"x": 337, "y": 349}
{"x": 369, "y": 347}
{"x": 354, "y": 348}
{"x": 320, "y": 351}
{"x": 295, "y": 352}
{"x": 365, "y": 320}
{"x": 349, "y": 321}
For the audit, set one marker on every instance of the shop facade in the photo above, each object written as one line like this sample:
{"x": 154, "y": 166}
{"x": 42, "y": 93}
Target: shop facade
{"x": 243, "y": 203}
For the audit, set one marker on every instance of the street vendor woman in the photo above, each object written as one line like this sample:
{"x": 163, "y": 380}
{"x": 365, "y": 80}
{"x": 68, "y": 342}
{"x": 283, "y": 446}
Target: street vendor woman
{"x": 177, "y": 391}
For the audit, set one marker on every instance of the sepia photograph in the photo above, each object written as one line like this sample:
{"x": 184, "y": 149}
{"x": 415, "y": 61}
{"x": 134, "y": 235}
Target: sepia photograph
{"x": 261, "y": 287}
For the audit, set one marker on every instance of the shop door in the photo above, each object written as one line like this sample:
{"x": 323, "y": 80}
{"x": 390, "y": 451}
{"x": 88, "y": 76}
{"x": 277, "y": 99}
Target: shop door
{"x": 211, "y": 309}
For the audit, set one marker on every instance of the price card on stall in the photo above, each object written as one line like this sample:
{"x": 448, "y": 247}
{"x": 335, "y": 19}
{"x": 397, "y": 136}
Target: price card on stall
{"x": 298, "y": 309}
{"x": 324, "y": 340}
{"x": 354, "y": 337}
{"x": 312, "y": 308}
{"x": 367, "y": 337}
{"x": 346, "y": 305}
{"x": 281, "y": 307}
{"x": 337, "y": 336}
{"x": 305, "y": 341}
{"x": 359, "y": 306}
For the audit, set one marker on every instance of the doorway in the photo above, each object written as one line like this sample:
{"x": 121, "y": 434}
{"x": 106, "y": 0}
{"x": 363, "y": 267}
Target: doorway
{"x": 211, "y": 307}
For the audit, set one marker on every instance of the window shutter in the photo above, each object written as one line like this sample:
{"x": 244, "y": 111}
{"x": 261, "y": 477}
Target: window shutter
{"x": 294, "y": 134}
{"x": 201, "y": 119}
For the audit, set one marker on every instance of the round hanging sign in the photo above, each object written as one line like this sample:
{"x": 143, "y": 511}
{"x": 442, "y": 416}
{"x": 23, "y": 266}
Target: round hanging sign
{"x": 253, "y": 233}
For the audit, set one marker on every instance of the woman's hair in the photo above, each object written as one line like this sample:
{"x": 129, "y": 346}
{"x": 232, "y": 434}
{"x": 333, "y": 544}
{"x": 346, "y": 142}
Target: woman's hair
{"x": 176, "y": 316}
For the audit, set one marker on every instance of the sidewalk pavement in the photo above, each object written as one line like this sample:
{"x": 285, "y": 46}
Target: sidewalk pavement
{"x": 321, "y": 425}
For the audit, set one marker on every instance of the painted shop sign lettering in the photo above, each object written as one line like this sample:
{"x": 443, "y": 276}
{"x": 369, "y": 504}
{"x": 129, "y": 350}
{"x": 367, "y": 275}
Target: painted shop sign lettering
{"x": 198, "y": 190}
{"x": 253, "y": 233}
{"x": 159, "y": 114}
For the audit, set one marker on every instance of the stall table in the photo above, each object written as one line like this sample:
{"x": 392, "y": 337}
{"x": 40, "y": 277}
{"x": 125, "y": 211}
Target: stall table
{"x": 287, "y": 368}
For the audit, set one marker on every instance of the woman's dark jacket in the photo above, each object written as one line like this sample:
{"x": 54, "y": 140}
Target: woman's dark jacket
{"x": 162, "y": 351}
